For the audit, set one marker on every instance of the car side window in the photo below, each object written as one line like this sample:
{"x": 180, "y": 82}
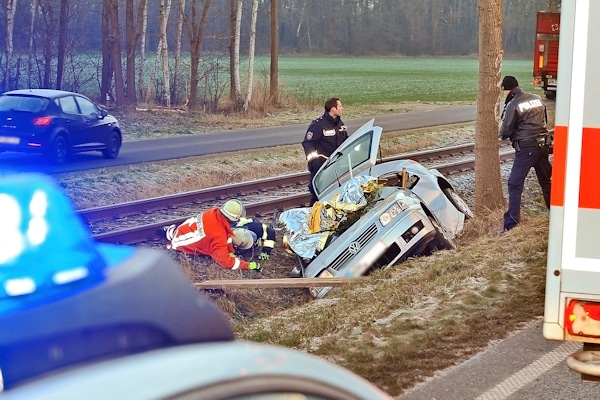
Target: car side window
{"x": 87, "y": 107}
{"x": 68, "y": 105}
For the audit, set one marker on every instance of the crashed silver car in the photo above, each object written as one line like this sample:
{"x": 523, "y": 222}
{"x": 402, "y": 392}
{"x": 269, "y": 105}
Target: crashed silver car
{"x": 371, "y": 215}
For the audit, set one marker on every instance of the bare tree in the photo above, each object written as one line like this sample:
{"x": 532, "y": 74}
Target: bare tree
{"x": 232, "y": 19}
{"x": 133, "y": 31}
{"x": 62, "y": 42}
{"x": 141, "y": 68}
{"x": 30, "y": 58}
{"x": 163, "y": 48}
{"x": 236, "y": 91}
{"x": 11, "y": 8}
{"x": 107, "y": 68}
{"x": 195, "y": 28}
{"x": 274, "y": 68}
{"x": 251, "y": 55}
{"x": 114, "y": 38}
{"x": 180, "y": 21}
{"x": 488, "y": 182}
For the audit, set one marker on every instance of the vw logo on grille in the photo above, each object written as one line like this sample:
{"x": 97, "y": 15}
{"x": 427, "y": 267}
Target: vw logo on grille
{"x": 354, "y": 248}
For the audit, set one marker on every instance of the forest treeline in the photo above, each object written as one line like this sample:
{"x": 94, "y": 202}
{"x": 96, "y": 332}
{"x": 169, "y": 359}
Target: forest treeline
{"x": 188, "y": 51}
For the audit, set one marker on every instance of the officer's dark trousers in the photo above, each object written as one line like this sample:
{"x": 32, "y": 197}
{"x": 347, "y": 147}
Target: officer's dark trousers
{"x": 525, "y": 159}
{"x": 313, "y": 167}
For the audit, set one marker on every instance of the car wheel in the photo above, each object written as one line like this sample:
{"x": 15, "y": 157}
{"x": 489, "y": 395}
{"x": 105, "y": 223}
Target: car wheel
{"x": 113, "y": 146}
{"x": 59, "y": 151}
{"x": 441, "y": 241}
{"x": 458, "y": 202}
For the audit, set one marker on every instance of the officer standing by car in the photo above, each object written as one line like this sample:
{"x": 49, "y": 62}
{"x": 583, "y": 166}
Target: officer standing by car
{"x": 322, "y": 137}
{"x": 524, "y": 122}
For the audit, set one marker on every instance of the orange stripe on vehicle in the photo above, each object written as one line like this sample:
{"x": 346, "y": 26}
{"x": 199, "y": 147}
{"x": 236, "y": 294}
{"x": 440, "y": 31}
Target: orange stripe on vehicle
{"x": 589, "y": 189}
{"x": 559, "y": 162}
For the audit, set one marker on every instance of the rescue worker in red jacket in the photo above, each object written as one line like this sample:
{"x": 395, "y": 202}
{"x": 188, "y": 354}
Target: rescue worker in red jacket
{"x": 322, "y": 137}
{"x": 210, "y": 234}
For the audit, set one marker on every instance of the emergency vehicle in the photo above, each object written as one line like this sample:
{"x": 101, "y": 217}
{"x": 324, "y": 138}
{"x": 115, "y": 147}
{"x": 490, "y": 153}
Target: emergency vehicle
{"x": 545, "y": 52}
{"x": 572, "y": 302}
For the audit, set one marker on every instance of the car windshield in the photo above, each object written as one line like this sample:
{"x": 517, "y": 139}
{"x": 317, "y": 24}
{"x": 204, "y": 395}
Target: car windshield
{"x": 22, "y": 103}
{"x": 337, "y": 169}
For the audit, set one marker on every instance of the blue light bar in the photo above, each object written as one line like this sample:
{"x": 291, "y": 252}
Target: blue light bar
{"x": 46, "y": 251}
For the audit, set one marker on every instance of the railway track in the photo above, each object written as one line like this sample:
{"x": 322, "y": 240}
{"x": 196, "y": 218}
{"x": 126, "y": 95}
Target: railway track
{"x": 291, "y": 192}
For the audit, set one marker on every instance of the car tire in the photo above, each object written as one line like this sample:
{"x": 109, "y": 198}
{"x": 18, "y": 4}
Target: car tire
{"x": 59, "y": 150}
{"x": 441, "y": 241}
{"x": 113, "y": 146}
{"x": 458, "y": 202}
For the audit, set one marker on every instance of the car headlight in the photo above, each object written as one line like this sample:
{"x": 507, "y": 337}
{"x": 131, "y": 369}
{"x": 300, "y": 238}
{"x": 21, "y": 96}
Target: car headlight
{"x": 325, "y": 274}
{"x": 392, "y": 212}
{"x": 315, "y": 291}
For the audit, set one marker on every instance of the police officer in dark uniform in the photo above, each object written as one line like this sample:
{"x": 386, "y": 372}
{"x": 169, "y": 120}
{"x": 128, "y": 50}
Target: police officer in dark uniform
{"x": 524, "y": 122}
{"x": 323, "y": 136}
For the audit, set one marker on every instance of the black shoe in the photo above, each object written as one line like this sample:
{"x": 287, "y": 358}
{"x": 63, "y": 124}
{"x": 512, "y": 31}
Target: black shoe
{"x": 502, "y": 231}
{"x": 162, "y": 231}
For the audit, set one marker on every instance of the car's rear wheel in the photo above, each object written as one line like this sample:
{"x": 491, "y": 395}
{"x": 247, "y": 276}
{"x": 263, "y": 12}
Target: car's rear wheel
{"x": 59, "y": 150}
{"x": 458, "y": 202}
{"x": 113, "y": 146}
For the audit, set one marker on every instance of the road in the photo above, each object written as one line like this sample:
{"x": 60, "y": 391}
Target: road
{"x": 523, "y": 366}
{"x": 139, "y": 151}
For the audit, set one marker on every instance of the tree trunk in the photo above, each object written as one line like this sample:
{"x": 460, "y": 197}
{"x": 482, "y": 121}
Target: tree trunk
{"x": 133, "y": 30}
{"x": 107, "y": 68}
{"x": 236, "y": 89}
{"x": 274, "y": 68}
{"x": 62, "y": 42}
{"x": 115, "y": 41}
{"x": 174, "y": 88}
{"x": 251, "y": 55}
{"x": 31, "y": 57}
{"x": 141, "y": 69}
{"x": 232, "y": 19}
{"x": 11, "y": 9}
{"x": 165, "y": 10}
{"x": 195, "y": 31}
{"x": 488, "y": 182}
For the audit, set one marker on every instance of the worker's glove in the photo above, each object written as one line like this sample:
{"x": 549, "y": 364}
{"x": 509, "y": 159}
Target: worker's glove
{"x": 264, "y": 256}
{"x": 254, "y": 266}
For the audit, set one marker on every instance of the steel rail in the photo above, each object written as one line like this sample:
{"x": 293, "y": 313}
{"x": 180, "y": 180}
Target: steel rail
{"x": 240, "y": 189}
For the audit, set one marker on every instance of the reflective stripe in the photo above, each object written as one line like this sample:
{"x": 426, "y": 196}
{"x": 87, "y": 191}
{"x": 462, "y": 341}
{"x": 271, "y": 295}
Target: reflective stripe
{"x": 590, "y": 154}
{"x": 265, "y": 235}
{"x": 186, "y": 240}
{"x": 269, "y": 243}
{"x": 236, "y": 264}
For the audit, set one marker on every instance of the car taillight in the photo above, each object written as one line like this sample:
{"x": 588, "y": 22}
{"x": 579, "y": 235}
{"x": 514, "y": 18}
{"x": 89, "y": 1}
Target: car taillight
{"x": 42, "y": 121}
{"x": 582, "y": 318}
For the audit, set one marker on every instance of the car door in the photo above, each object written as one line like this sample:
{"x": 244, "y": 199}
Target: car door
{"x": 97, "y": 130}
{"x": 357, "y": 154}
{"x": 73, "y": 120}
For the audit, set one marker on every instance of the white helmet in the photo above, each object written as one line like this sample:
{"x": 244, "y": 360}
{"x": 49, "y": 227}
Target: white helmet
{"x": 243, "y": 239}
{"x": 233, "y": 210}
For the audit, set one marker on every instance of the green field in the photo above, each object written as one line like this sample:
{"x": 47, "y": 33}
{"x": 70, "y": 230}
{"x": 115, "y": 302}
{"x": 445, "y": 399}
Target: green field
{"x": 381, "y": 80}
